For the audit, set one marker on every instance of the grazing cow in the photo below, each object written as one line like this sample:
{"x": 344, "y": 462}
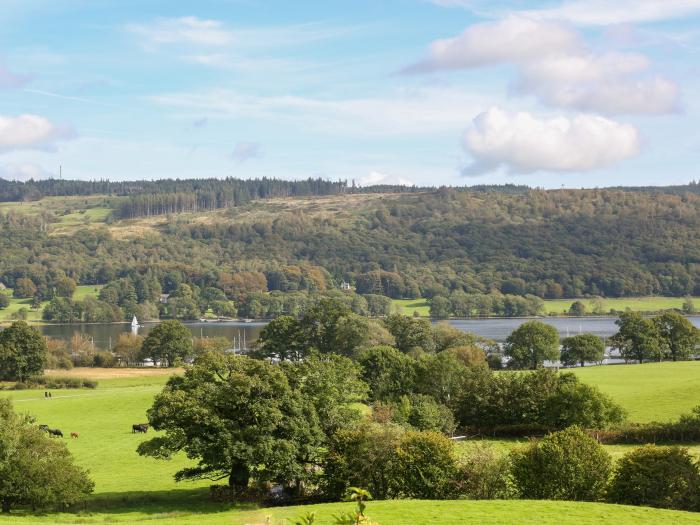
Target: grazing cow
{"x": 44, "y": 428}
{"x": 54, "y": 432}
{"x": 140, "y": 427}
{"x": 74, "y": 435}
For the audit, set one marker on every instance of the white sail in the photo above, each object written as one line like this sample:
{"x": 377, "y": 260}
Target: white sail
{"x": 134, "y": 322}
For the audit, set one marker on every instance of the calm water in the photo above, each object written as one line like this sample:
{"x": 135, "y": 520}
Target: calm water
{"x": 498, "y": 329}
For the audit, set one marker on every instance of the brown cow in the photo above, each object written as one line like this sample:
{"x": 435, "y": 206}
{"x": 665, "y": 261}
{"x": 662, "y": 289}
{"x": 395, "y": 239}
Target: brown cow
{"x": 74, "y": 435}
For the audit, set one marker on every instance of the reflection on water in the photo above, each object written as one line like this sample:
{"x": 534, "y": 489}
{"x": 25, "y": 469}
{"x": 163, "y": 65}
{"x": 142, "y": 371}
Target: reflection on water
{"x": 105, "y": 335}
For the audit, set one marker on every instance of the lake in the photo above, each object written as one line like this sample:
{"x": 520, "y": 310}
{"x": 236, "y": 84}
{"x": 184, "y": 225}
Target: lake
{"x": 105, "y": 335}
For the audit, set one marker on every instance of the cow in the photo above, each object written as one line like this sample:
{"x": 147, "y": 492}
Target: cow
{"x": 139, "y": 427}
{"x": 74, "y": 435}
{"x": 54, "y": 432}
{"x": 44, "y": 428}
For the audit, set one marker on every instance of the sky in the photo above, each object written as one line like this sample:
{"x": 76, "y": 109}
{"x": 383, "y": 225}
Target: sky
{"x": 573, "y": 93}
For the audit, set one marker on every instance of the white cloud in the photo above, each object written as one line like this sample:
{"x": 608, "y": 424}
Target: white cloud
{"x": 523, "y": 143}
{"x": 10, "y": 80}
{"x": 30, "y": 132}
{"x": 22, "y": 171}
{"x": 187, "y": 29}
{"x": 375, "y": 178}
{"x": 514, "y": 39}
{"x": 553, "y": 64}
{"x": 612, "y": 83}
{"x": 244, "y": 151}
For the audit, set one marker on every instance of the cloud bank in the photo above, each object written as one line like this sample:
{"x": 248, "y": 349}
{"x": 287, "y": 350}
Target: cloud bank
{"x": 555, "y": 66}
{"x": 524, "y": 143}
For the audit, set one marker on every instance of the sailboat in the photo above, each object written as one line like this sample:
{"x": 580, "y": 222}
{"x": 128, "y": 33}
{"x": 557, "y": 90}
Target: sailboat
{"x": 135, "y": 325}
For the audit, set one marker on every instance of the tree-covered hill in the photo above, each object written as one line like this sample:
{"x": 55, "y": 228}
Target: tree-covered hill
{"x": 560, "y": 243}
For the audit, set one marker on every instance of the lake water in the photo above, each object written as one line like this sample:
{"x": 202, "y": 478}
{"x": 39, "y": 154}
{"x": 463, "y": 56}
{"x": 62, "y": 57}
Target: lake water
{"x": 105, "y": 335}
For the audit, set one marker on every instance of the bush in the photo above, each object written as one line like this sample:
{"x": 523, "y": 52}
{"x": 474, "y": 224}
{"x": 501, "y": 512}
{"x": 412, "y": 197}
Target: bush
{"x": 686, "y": 429}
{"x": 425, "y": 466}
{"x": 58, "y": 382}
{"x": 361, "y": 457}
{"x": 416, "y": 412}
{"x": 104, "y": 360}
{"x": 390, "y": 463}
{"x": 664, "y": 477}
{"x": 484, "y": 473}
{"x": 542, "y": 399}
{"x": 565, "y": 465}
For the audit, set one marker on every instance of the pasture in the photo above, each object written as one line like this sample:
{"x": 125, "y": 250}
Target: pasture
{"x": 561, "y": 306}
{"x": 133, "y": 489}
{"x": 649, "y": 392}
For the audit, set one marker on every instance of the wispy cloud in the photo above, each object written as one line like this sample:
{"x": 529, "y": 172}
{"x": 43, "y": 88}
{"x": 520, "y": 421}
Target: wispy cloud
{"x": 408, "y": 111}
{"x": 191, "y": 31}
{"x": 586, "y": 12}
{"x": 10, "y": 80}
{"x": 187, "y": 29}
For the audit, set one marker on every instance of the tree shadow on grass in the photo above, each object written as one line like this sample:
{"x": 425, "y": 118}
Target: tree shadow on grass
{"x": 165, "y": 502}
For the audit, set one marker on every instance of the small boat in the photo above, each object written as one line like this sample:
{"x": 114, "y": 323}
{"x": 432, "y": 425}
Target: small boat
{"x": 135, "y": 325}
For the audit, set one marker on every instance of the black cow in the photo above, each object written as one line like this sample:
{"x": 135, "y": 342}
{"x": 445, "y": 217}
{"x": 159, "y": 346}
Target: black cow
{"x": 140, "y": 427}
{"x": 54, "y": 432}
{"x": 44, "y": 428}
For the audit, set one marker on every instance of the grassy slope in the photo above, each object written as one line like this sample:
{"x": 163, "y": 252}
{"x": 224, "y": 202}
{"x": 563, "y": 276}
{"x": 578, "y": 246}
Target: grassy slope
{"x": 81, "y": 292}
{"x": 103, "y": 418}
{"x": 652, "y": 391}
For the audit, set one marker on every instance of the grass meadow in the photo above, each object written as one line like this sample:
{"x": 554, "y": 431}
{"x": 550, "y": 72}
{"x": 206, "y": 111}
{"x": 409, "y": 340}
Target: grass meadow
{"x": 561, "y": 306}
{"x": 133, "y": 489}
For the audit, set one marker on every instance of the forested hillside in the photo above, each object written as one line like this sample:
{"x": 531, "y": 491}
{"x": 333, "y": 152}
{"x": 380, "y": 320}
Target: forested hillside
{"x": 312, "y": 235}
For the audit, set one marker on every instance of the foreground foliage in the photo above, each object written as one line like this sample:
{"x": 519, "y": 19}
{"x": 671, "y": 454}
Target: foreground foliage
{"x": 35, "y": 470}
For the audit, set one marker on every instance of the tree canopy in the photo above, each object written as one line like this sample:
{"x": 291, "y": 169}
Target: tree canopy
{"x": 529, "y": 345}
{"x": 22, "y": 352}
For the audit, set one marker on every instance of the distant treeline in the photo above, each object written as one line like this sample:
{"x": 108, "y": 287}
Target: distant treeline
{"x": 225, "y": 190}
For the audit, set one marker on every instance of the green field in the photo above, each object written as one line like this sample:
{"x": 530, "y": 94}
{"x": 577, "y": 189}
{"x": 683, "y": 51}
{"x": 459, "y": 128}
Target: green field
{"x": 81, "y": 292}
{"x": 409, "y": 306}
{"x": 133, "y": 489}
{"x": 561, "y": 306}
{"x": 652, "y": 391}
{"x": 637, "y": 304}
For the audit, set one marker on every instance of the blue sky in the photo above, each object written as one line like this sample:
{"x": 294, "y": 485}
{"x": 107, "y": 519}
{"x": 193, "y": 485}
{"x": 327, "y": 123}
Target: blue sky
{"x": 580, "y": 93}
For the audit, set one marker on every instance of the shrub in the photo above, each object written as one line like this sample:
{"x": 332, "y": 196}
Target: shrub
{"x": 416, "y": 412}
{"x": 361, "y": 456}
{"x": 484, "y": 473}
{"x": 565, "y": 465}
{"x": 542, "y": 399}
{"x": 664, "y": 477}
{"x": 104, "y": 360}
{"x": 57, "y": 382}
{"x": 425, "y": 466}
